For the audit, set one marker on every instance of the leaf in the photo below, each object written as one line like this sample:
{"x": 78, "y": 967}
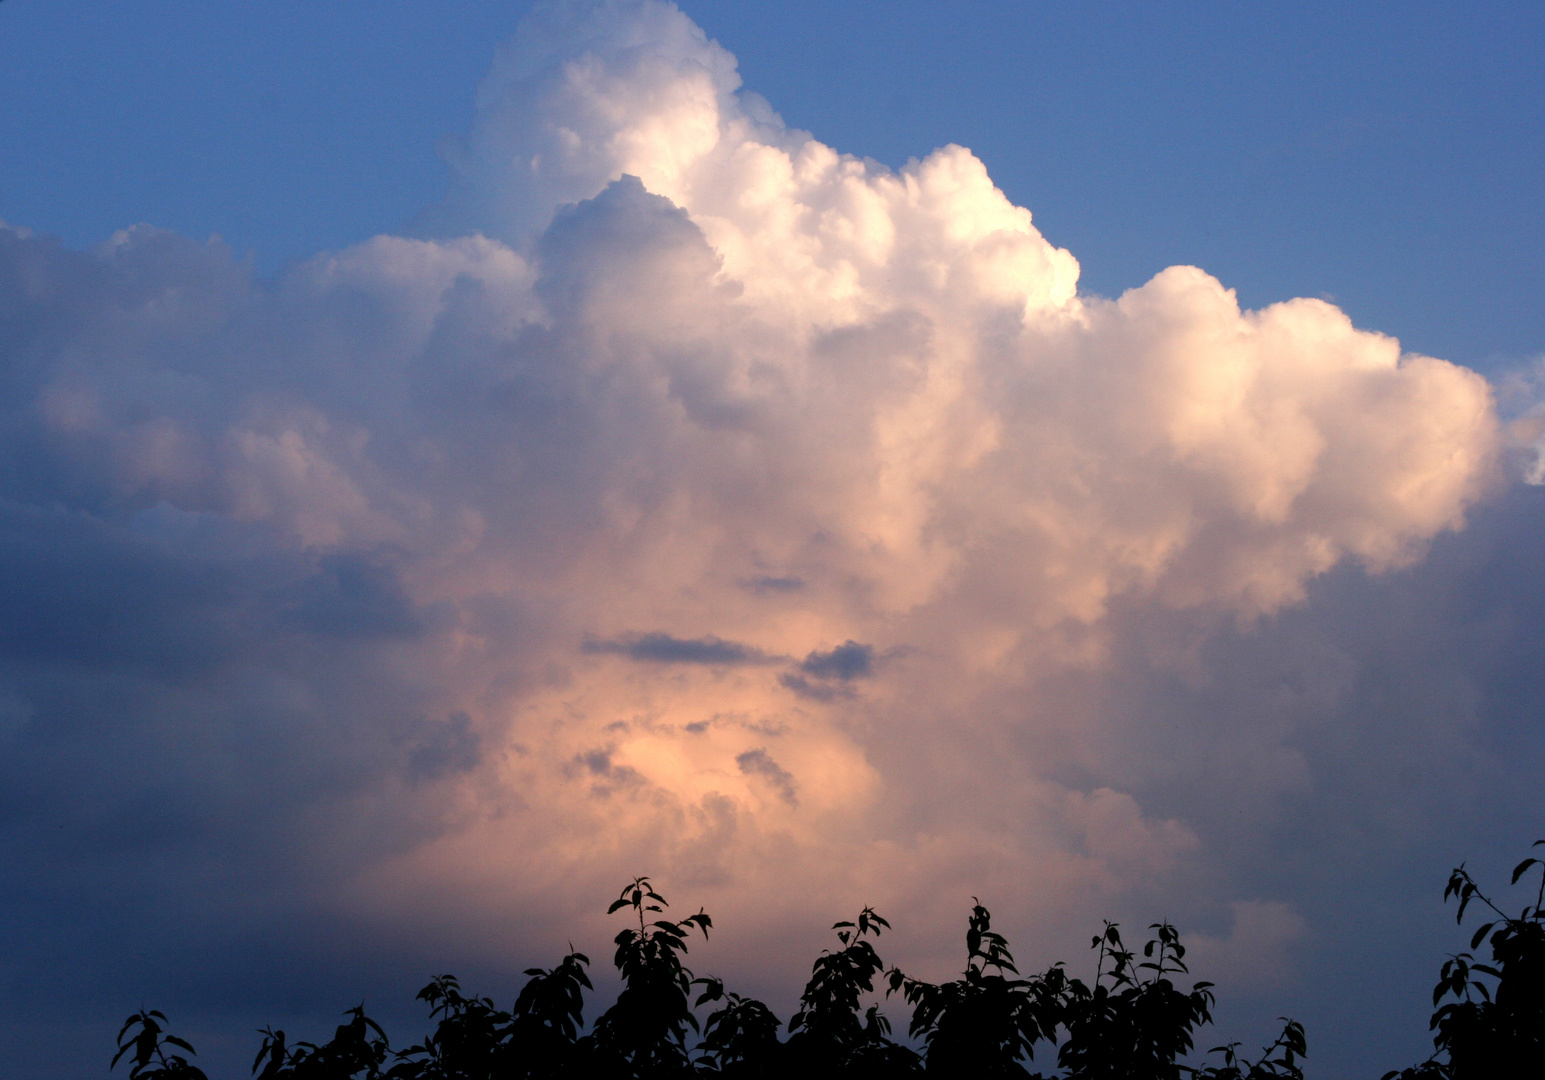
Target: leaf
{"x": 1519, "y": 870}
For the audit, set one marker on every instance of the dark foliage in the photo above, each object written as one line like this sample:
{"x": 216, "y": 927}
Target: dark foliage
{"x": 831, "y": 1035}
{"x": 740, "y": 1038}
{"x": 1279, "y": 1061}
{"x": 645, "y": 1033}
{"x": 987, "y": 1021}
{"x": 1133, "y": 1022}
{"x": 358, "y": 1049}
{"x": 144, "y": 1038}
{"x": 1490, "y": 1018}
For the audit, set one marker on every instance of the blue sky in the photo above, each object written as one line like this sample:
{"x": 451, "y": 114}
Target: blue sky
{"x": 328, "y": 563}
{"x": 1387, "y": 157}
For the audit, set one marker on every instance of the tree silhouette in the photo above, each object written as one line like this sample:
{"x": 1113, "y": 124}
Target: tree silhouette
{"x": 985, "y": 1022}
{"x": 1130, "y": 1025}
{"x": 358, "y": 1048}
{"x": 827, "y": 1036}
{"x": 144, "y": 1034}
{"x": 740, "y": 1039}
{"x": 645, "y": 1033}
{"x": 1132, "y": 1022}
{"x": 1494, "y": 1026}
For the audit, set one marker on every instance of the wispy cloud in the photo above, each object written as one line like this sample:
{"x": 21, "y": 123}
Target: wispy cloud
{"x": 758, "y": 763}
{"x": 850, "y": 660}
{"x": 665, "y": 649}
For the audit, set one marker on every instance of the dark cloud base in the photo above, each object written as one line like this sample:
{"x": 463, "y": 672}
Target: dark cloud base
{"x": 152, "y": 850}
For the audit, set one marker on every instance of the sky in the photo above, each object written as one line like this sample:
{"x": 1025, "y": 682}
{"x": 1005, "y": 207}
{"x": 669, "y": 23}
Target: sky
{"x": 816, "y": 455}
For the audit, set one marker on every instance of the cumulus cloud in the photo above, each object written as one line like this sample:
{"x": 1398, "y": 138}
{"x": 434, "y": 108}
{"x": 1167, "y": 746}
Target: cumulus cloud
{"x": 691, "y": 498}
{"x": 1258, "y": 950}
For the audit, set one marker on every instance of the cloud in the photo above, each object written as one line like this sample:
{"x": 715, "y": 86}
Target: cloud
{"x": 850, "y": 660}
{"x": 664, "y": 649}
{"x": 1258, "y": 951}
{"x": 757, "y": 763}
{"x": 324, "y": 581}
{"x": 767, "y": 583}
{"x": 822, "y": 676}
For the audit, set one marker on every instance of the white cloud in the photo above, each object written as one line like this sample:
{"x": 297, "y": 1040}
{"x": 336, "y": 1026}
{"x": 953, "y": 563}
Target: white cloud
{"x": 691, "y": 353}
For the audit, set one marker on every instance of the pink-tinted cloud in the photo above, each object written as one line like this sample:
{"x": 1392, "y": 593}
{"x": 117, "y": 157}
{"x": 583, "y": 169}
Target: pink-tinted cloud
{"x": 715, "y": 505}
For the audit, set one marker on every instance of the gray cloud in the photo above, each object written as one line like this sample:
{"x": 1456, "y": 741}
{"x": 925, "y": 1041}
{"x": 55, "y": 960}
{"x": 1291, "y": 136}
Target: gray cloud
{"x": 757, "y": 763}
{"x": 440, "y": 749}
{"x": 664, "y": 649}
{"x": 850, "y": 660}
{"x": 769, "y": 584}
{"x": 824, "y": 676}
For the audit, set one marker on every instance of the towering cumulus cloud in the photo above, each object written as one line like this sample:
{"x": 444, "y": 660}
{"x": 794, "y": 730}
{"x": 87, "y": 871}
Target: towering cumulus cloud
{"x": 698, "y": 501}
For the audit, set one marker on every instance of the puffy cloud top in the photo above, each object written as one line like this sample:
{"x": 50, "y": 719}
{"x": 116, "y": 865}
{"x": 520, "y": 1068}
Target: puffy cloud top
{"x": 699, "y": 500}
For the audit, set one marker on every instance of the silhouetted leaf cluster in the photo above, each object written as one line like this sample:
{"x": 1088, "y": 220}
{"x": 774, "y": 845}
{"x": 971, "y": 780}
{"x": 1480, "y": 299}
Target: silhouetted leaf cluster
{"x": 1490, "y": 1013}
{"x": 144, "y": 1038}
